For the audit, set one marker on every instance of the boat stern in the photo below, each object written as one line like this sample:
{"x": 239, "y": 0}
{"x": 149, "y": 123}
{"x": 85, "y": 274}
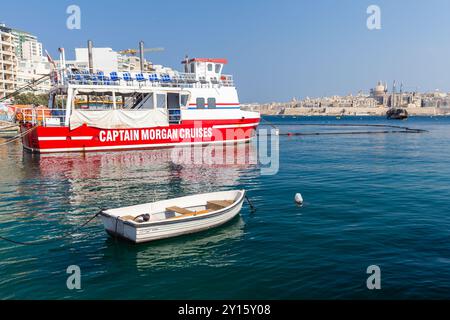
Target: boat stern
{"x": 117, "y": 227}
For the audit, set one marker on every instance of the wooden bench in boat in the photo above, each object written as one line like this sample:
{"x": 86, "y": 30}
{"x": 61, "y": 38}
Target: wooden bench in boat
{"x": 179, "y": 210}
{"x": 127, "y": 218}
{"x": 218, "y": 204}
{"x": 211, "y": 206}
{"x": 193, "y": 213}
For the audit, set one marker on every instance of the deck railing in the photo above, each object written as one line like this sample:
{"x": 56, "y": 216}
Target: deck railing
{"x": 178, "y": 79}
{"x": 41, "y": 116}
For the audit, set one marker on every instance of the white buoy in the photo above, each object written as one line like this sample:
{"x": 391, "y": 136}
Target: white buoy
{"x": 298, "y": 199}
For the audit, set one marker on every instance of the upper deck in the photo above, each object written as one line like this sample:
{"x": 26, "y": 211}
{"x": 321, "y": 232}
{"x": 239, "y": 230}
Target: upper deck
{"x": 199, "y": 73}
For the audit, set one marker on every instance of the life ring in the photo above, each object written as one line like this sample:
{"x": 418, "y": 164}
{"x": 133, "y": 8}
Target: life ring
{"x": 19, "y": 116}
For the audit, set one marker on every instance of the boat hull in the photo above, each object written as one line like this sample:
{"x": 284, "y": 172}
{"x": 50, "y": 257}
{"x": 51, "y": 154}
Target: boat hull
{"x": 169, "y": 228}
{"x": 43, "y": 139}
{"x": 397, "y": 114}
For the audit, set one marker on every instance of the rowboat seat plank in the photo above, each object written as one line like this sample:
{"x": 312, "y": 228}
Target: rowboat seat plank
{"x": 197, "y": 213}
{"x": 218, "y": 204}
{"x": 179, "y": 210}
{"x": 127, "y": 218}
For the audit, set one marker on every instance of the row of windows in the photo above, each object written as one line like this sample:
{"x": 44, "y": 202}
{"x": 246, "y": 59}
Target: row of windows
{"x": 217, "y": 67}
{"x": 210, "y": 67}
{"x": 201, "y": 103}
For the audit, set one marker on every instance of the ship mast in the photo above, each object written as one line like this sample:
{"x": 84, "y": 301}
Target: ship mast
{"x": 393, "y": 95}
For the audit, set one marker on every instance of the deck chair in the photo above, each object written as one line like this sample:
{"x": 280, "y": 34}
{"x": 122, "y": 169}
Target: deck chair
{"x": 114, "y": 77}
{"x": 127, "y": 77}
{"x": 140, "y": 78}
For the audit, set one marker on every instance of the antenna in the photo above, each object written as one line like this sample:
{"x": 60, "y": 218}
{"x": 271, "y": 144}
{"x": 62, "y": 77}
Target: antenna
{"x": 141, "y": 55}
{"x": 186, "y": 61}
{"x": 90, "y": 58}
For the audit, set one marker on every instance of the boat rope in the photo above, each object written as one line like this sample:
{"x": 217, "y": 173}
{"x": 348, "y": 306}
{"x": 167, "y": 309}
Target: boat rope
{"x": 348, "y": 125}
{"x": 269, "y": 123}
{"x": 19, "y": 136}
{"x": 115, "y": 229}
{"x": 44, "y": 241}
{"x": 252, "y": 207}
{"x": 397, "y": 129}
{"x": 31, "y": 85}
{"x": 9, "y": 126}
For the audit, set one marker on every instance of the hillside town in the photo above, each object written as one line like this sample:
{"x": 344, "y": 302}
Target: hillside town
{"x": 374, "y": 103}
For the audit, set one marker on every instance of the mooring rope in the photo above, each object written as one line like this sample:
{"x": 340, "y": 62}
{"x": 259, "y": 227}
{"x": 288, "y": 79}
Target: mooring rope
{"x": 64, "y": 235}
{"x": 269, "y": 123}
{"x": 399, "y": 129}
{"x": 252, "y": 207}
{"x": 17, "y": 137}
{"x": 8, "y": 127}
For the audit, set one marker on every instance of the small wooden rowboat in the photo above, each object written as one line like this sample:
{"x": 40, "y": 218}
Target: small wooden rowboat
{"x": 173, "y": 217}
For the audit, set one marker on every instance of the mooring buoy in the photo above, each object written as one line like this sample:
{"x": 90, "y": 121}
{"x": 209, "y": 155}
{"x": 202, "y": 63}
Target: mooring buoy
{"x": 298, "y": 199}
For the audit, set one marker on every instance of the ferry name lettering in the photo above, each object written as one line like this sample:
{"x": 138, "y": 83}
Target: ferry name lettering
{"x": 154, "y": 134}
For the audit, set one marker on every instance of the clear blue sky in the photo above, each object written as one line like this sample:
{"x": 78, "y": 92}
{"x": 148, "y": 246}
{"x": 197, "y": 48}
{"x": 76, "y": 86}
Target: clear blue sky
{"x": 276, "y": 49}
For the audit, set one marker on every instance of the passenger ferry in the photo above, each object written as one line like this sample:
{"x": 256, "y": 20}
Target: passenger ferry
{"x": 96, "y": 111}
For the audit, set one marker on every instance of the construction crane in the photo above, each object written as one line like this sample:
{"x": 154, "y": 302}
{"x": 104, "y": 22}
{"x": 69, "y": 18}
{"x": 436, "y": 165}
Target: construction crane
{"x": 141, "y": 51}
{"x": 133, "y": 52}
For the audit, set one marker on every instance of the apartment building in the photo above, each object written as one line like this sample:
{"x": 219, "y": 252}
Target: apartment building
{"x": 8, "y": 61}
{"x": 26, "y": 45}
{"x": 31, "y": 63}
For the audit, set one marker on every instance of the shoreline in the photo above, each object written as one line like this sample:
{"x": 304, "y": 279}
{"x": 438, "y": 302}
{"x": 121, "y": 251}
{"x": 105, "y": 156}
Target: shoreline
{"x": 339, "y": 112}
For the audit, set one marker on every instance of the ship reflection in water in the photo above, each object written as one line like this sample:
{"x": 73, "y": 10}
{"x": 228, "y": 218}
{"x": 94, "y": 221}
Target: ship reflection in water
{"x": 78, "y": 185}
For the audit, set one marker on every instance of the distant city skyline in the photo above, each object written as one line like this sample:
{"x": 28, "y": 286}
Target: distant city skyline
{"x": 276, "y": 50}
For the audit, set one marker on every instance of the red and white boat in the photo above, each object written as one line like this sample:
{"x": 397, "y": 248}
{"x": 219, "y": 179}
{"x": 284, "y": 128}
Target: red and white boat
{"x": 94, "y": 111}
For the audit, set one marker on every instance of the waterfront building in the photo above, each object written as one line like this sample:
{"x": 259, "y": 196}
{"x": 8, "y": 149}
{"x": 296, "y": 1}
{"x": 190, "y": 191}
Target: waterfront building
{"x": 31, "y": 64}
{"x": 31, "y": 70}
{"x": 27, "y": 46}
{"x": 21, "y": 61}
{"x": 73, "y": 64}
{"x": 436, "y": 100}
{"x": 8, "y": 61}
{"x": 108, "y": 60}
{"x": 105, "y": 59}
{"x": 132, "y": 63}
{"x": 31, "y": 51}
{"x": 379, "y": 94}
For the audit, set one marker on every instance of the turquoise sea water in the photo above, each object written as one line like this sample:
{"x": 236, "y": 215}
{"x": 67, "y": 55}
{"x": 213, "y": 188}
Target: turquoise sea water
{"x": 378, "y": 199}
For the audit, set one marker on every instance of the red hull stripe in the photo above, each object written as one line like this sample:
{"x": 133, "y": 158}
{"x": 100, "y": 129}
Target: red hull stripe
{"x": 84, "y": 138}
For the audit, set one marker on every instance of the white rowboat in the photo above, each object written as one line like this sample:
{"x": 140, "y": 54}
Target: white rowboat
{"x": 173, "y": 217}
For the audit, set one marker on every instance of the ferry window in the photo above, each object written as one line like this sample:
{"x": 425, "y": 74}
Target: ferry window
{"x": 173, "y": 101}
{"x": 217, "y": 68}
{"x": 93, "y": 101}
{"x": 147, "y": 102}
{"x": 210, "y": 67}
{"x": 192, "y": 67}
{"x": 59, "y": 101}
{"x": 211, "y": 103}
{"x": 184, "y": 100}
{"x": 161, "y": 100}
{"x": 200, "y": 103}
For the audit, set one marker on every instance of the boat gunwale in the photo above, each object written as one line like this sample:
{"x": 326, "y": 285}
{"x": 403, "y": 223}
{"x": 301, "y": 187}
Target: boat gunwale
{"x": 180, "y": 218}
